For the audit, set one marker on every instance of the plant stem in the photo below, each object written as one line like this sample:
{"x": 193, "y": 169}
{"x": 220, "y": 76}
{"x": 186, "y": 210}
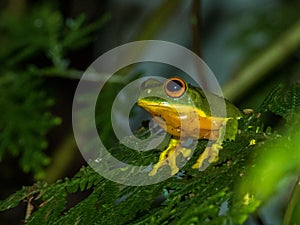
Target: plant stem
{"x": 61, "y": 159}
{"x": 196, "y": 26}
{"x": 17, "y": 7}
{"x": 157, "y": 20}
{"x": 260, "y": 67}
{"x": 292, "y": 203}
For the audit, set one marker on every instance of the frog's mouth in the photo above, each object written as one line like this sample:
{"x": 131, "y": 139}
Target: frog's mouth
{"x": 196, "y": 124}
{"x": 172, "y": 114}
{"x": 166, "y": 109}
{"x": 154, "y": 108}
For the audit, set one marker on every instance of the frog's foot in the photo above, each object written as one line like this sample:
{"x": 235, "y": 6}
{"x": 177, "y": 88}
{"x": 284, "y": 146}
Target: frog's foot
{"x": 168, "y": 157}
{"x": 210, "y": 155}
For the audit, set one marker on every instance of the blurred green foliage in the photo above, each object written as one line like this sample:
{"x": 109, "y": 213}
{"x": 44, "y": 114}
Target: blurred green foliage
{"x": 35, "y": 45}
{"x": 278, "y": 157}
{"x": 265, "y": 27}
{"x": 24, "y": 121}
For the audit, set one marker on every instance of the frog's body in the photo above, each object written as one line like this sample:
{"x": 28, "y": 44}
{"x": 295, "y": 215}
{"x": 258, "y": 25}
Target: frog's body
{"x": 184, "y": 112}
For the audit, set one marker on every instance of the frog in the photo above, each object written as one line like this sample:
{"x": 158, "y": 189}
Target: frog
{"x": 174, "y": 103}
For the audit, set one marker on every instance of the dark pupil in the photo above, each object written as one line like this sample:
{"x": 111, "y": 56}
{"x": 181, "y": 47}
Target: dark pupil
{"x": 174, "y": 86}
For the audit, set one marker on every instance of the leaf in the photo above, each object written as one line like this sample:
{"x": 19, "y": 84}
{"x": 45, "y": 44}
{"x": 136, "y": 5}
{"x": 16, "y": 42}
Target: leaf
{"x": 284, "y": 100}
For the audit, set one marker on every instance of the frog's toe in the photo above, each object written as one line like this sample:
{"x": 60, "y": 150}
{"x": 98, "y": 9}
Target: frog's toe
{"x": 155, "y": 168}
{"x": 210, "y": 155}
{"x": 186, "y": 152}
{"x": 201, "y": 166}
{"x": 170, "y": 161}
{"x": 168, "y": 158}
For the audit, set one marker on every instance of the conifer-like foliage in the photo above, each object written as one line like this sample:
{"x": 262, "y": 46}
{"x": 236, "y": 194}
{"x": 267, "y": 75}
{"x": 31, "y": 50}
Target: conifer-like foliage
{"x": 216, "y": 196}
{"x": 25, "y": 118}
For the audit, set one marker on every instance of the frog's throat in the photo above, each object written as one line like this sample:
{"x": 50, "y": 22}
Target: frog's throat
{"x": 184, "y": 121}
{"x": 152, "y": 106}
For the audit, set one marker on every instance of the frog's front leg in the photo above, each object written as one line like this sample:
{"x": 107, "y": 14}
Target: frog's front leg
{"x": 168, "y": 156}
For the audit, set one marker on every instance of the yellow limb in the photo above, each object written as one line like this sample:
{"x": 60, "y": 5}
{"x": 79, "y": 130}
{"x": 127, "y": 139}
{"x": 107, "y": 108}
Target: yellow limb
{"x": 211, "y": 153}
{"x": 168, "y": 157}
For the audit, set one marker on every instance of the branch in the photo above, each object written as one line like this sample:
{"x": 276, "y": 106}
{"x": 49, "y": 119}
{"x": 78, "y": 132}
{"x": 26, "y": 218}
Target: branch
{"x": 260, "y": 67}
{"x": 61, "y": 160}
{"x": 292, "y": 204}
{"x": 157, "y": 20}
{"x": 196, "y": 26}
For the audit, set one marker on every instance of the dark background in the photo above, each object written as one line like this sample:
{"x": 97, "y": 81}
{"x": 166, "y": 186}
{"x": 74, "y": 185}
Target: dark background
{"x": 228, "y": 35}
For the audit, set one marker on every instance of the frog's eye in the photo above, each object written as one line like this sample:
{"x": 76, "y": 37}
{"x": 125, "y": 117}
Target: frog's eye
{"x": 175, "y": 87}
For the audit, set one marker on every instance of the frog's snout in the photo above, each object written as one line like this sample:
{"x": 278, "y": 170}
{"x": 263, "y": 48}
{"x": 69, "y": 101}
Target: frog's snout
{"x": 141, "y": 103}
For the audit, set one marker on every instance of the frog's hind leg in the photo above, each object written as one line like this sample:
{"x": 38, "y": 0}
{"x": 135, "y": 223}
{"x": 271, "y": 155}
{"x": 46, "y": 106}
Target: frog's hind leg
{"x": 168, "y": 157}
{"x": 211, "y": 153}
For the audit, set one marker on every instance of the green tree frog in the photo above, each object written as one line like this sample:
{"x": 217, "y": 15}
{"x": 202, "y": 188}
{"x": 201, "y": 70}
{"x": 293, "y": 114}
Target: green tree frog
{"x": 175, "y": 102}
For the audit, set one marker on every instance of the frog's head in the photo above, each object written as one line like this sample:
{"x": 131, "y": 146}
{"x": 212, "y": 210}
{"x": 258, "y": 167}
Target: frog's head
{"x": 172, "y": 102}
